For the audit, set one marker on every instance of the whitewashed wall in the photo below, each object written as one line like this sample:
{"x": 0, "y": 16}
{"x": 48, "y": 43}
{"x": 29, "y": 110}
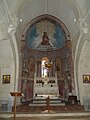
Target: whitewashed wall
{"x": 8, "y": 51}
{"x": 84, "y": 68}
{"x": 6, "y": 68}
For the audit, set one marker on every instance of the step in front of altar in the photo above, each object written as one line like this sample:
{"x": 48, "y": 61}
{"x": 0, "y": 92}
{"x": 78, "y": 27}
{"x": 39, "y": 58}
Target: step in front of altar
{"x": 42, "y": 102}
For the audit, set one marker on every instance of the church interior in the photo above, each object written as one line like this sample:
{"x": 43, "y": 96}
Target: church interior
{"x": 44, "y": 58}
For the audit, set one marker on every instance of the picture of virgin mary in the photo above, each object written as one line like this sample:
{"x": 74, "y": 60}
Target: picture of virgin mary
{"x": 45, "y": 39}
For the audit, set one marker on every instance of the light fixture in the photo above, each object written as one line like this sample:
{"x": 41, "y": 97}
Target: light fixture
{"x": 20, "y": 20}
{"x": 75, "y": 20}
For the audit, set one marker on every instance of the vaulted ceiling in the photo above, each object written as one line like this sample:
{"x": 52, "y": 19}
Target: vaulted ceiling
{"x": 75, "y": 14}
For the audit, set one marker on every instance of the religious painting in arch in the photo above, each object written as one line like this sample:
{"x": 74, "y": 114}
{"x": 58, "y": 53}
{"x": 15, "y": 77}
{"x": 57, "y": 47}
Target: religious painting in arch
{"x": 45, "y": 32}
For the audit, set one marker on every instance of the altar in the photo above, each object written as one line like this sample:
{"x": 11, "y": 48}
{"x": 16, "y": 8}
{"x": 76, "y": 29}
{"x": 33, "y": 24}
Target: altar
{"x": 51, "y": 96}
{"x": 42, "y": 89}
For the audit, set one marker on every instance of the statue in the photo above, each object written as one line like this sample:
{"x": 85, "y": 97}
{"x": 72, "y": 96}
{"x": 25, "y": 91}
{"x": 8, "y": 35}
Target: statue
{"x": 45, "y": 39}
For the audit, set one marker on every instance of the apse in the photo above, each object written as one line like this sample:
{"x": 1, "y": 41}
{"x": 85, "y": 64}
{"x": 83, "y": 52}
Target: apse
{"x": 46, "y": 61}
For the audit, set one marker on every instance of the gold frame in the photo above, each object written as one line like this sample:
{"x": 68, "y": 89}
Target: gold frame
{"x": 86, "y": 78}
{"x": 6, "y": 79}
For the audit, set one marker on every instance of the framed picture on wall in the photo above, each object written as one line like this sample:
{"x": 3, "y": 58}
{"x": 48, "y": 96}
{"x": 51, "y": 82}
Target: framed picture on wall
{"x": 86, "y": 78}
{"x": 6, "y": 79}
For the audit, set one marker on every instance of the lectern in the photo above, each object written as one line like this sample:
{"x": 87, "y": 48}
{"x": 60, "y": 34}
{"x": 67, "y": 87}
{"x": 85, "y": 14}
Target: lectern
{"x": 15, "y": 95}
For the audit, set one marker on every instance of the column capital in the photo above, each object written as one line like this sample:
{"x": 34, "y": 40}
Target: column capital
{"x": 13, "y": 25}
{"x": 82, "y": 25}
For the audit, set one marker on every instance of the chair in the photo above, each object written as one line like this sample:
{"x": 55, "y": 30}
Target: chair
{"x": 72, "y": 100}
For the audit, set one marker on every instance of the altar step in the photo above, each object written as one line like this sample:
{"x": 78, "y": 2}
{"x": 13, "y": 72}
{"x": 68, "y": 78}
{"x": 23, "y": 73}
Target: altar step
{"x": 44, "y": 104}
{"x": 35, "y": 108}
{"x": 44, "y": 101}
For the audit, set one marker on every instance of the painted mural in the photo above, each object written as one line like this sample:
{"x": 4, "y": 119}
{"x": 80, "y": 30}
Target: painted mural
{"x": 45, "y": 33}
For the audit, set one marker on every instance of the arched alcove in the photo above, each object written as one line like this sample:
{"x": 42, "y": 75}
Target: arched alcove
{"x": 46, "y": 58}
